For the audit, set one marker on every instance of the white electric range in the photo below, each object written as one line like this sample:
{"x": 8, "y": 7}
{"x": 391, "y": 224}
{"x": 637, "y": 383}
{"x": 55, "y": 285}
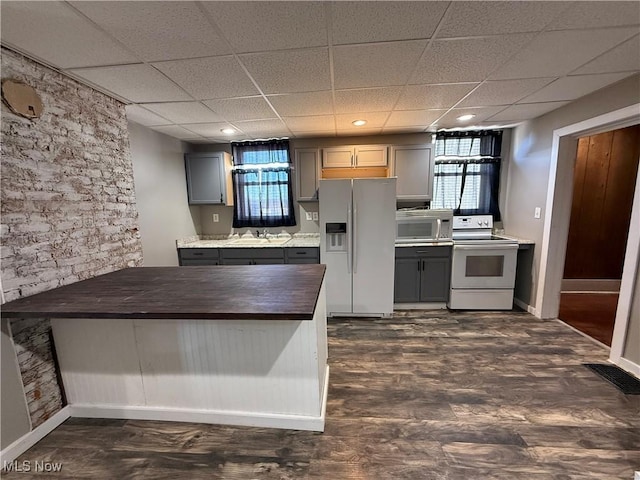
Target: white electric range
{"x": 483, "y": 268}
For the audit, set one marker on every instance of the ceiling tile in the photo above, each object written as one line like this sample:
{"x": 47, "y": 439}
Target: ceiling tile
{"x": 357, "y": 131}
{"x": 554, "y": 54}
{"x": 503, "y": 92}
{"x": 136, "y": 83}
{"x": 570, "y": 88}
{"x": 319, "y": 133}
{"x": 374, "y": 120}
{"x": 366, "y": 100}
{"x": 450, "y": 119}
{"x": 177, "y": 132}
{"x": 623, "y": 58}
{"x": 433, "y": 96}
{"x": 465, "y": 19}
{"x": 141, "y": 115}
{"x": 467, "y": 60}
{"x": 184, "y": 112}
{"x": 248, "y": 108}
{"x": 56, "y": 34}
{"x": 300, "y": 104}
{"x": 415, "y": 118}
{"x": 525, "y": 111}
{"x": 211, "y": 77}
{"x": 207, "y": 129}
{"x": 375, "y": 65}
{"x": 361, "y": 22}
{"x": 598, "y": 14}
{"x": 290, "y": 71}
{"x": 273, "y": 127}
{"x": 157, "y": 30}
{"x": 310, "y": 123}
{"x": 261, "y": 26}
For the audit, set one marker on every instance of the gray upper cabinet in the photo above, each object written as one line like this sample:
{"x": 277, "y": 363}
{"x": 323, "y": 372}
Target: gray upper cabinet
{"x": 413, "y": 165}
{"x": 209, "y": 178}
{"x": 307, "y": 162}
{"x": 355, "y": 156}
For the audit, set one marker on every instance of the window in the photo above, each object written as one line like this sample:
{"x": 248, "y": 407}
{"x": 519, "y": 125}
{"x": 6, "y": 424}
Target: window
{"x": 262, "y": 184}
{"x": 467, "y": 172}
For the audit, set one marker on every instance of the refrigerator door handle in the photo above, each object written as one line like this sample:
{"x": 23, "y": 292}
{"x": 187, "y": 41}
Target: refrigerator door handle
{"x": 349, "y": 235}
{"x": 355, "y": 241}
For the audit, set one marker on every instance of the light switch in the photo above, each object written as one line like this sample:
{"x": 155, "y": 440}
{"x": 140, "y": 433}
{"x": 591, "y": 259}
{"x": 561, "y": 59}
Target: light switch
{"x": 315, "y": 216}
{"x": 216, "y": 217}
{"x": 308, "y": 215}
{"x": 536, "y": 213}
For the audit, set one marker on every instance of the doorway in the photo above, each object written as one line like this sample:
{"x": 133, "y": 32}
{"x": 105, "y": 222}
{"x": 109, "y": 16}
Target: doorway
{"x": 603, "y": 188}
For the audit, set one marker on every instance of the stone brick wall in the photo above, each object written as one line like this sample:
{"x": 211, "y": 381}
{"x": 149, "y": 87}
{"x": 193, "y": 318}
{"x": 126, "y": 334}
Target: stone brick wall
{"x": 67, "y": 204}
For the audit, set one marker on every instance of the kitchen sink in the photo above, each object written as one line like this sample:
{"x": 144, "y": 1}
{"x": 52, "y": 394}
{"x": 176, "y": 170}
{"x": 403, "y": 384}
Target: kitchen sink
{"x": 260, "y": 241}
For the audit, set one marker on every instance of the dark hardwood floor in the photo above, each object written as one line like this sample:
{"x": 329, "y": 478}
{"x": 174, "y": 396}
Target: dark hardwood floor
{"x": 591, "y": 313}
{"x": 424, "y": 395}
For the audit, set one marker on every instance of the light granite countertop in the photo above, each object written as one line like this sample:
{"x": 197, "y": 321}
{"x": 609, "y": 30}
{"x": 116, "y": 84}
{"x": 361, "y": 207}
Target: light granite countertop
{"x": 299, "y": 240}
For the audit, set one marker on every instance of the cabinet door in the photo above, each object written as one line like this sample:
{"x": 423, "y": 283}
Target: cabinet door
{"x": 337, "y": 157}
{"x": 205, "y": 178}
{"x": 307, "y": 174}
{"x": 435, "y": 279}
{"x": 371, "y": 156}
{"x": 406, "y": 287}
{"x": 268, "y": 261}
{"x": 413, "y": 165}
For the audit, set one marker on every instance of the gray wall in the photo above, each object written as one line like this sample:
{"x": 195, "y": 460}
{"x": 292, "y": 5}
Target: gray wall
{"x": 530, "y": 159}
{"x": 161, "y": 194}
{"x": 14, "y": 414}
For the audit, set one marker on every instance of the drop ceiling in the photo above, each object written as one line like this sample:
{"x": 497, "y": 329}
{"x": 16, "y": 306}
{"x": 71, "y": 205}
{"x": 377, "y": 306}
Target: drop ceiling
{"x": 305, "y": 69}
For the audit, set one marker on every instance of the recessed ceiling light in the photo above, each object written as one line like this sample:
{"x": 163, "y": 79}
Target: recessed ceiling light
{"x": 464, "y": 118}
{"x": 228, "y": 131}
{"x": 359, "y": 123}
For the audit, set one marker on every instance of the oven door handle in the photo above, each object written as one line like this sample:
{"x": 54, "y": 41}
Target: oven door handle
{"x": 484, "y": 246}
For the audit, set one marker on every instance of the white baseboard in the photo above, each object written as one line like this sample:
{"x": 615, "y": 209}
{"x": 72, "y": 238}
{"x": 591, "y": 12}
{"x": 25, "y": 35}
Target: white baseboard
{"x": 629, "y": 366}
{"x": 526, "y": 307}
{"x": 28, "y": 440}
{"x": 247, "y": 419}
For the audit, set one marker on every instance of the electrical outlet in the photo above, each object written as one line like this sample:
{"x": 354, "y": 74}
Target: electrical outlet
{"x": 216, "y": 218}
{"x": 536, "y": 212}
{"x": 309, "y": 217}
{"x": 315, "y": 216}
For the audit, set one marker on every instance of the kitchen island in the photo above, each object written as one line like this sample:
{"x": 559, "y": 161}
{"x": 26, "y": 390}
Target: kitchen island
{"x": 240, "y": 345}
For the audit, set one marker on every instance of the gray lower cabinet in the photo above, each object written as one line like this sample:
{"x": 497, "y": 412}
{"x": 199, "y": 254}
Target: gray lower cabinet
{"x": 423, "y": 274}
{"x": 302, "y": 255}
{"x": 251, "y": 256}
{"x": 198, "y": 256}
{"x": 248, "y": 256}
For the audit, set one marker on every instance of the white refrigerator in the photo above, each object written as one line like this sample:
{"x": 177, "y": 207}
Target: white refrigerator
{"x": 357, "y": 244}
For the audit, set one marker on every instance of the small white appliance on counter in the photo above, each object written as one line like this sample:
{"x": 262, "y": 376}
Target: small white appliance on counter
{"x": 357, "y": 242}
{"x": 483, "y": 267}
{"x": 423, "y": 225}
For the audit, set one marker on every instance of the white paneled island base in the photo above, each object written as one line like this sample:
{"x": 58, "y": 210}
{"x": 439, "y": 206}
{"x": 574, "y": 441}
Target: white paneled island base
{"x": 269, "y": 373}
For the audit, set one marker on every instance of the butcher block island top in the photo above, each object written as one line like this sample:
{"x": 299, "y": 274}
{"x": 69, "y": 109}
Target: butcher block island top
{"x": 251, "y": 292}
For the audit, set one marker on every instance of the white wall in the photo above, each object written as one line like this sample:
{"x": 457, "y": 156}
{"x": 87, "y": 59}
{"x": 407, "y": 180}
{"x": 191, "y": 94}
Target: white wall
{"x": 530, "y": 158}
{"x": 161, "y": 194}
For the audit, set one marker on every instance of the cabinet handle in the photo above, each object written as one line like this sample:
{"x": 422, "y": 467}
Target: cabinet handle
{"x": 422, "y": 265}
{"x": 198, "y": 254}
{"x": 221, "y": 200}
{"x": 301, "y": 253}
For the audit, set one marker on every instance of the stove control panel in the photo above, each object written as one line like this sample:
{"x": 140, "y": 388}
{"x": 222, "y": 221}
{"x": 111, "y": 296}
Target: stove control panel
{"x": 473, "y": 222}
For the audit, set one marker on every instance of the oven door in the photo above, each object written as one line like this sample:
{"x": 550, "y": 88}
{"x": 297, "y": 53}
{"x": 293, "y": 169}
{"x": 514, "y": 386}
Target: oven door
{"x": 484, "y": 265}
